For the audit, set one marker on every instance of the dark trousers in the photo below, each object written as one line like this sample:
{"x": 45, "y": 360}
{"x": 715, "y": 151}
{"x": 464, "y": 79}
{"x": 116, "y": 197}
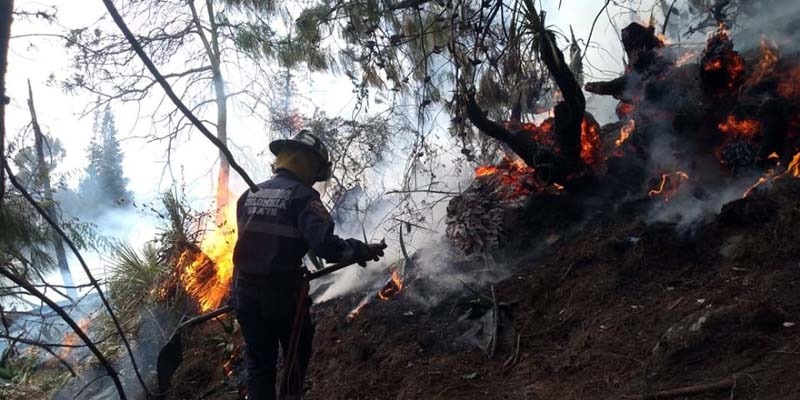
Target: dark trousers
{"x": 266, "y": 314}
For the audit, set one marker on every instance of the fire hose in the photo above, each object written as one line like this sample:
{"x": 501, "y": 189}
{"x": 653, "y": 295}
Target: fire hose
{"x": 171, "y": 355}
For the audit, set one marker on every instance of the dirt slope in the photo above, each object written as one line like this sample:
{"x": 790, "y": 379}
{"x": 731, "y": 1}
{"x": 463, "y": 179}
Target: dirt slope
{"x": 620, "y": 309}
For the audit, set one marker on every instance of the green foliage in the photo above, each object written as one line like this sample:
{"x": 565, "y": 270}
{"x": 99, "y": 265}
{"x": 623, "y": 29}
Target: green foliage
{"x": 133, "y": 276}
{"x": 255, "y": 39}
{"x": 104, "y": 183}
{"x": 23, "y": 241}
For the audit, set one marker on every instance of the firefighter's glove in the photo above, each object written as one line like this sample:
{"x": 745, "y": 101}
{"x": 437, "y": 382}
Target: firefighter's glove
{"x": 374, "y": 251}
{"x": 366, "y": 252}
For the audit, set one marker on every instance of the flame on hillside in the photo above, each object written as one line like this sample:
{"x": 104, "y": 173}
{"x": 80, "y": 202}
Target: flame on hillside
{"x": 71, "y": 339}
{"x": 624, "y": 134}
{"x": 766, "y": 64}
{"x": 206, "y": 274}
{"x": 669, "y": 186}
{"x": 393, "y": 287}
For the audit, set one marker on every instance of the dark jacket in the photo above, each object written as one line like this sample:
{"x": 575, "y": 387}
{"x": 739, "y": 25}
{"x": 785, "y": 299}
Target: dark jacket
{"x": 279, "y": 223}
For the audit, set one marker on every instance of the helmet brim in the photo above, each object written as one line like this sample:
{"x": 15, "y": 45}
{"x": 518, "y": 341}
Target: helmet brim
{"x": 277, "y": 146}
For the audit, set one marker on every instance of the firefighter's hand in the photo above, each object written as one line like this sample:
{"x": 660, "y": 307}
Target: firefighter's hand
{"x": 374, "y": 252}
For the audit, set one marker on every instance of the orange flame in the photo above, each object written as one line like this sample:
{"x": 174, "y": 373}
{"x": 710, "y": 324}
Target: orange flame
{"x": 758, "y": 183}
{"x": 393, "y": 287}
{"x": 354, "y": 313}
{"x": 793, "y": 170}
{"x": 625, "y": 132}
{"x": 71, "y": 338}
{"x": 515, "y": 177}
{"x": 485, "y": 170}
{"x": 208, "y": 273}
{"x": 794, "y": 167}
{"x": 739, "y": 129}
{"x": 670, "y": 183}
{"x": 767, "y": 63}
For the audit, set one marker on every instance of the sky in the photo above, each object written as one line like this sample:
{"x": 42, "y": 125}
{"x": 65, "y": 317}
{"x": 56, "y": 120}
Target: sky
{"x": 38, "y": 58}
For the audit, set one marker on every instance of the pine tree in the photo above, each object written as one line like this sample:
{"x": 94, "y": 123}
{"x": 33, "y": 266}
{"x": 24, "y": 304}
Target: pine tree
{"x": 104, "y": 180}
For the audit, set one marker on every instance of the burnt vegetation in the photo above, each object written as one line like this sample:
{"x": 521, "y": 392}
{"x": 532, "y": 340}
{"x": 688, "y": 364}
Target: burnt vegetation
{"x": 647, "y": 254}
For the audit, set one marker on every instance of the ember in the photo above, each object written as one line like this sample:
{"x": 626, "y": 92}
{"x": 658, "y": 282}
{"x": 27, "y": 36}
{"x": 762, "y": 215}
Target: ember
{"x": 515, "y": 177}
{"x": 542, "y": 133}
{"x": 734, "y": 128}
{"x": 670, "y": 183}
{"x": 591, "y": 152}
{"x": 789, "y": 87}
{"x": 723, "y": 68}
{"x": 624, "y": 109}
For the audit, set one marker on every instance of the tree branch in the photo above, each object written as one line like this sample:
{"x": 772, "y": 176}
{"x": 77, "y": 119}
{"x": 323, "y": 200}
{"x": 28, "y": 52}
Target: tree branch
{"x": 171, "y": 94}
{"x": 406, "y": 4}
{"x": 45, "y": 347}
{"x": 71, "y": 322}
{"x": 521, "y": 143}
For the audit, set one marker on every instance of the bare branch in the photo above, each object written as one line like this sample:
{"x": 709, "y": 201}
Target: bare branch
{"x": 45, "y": 347}
{"x": 86, "y": 269}
{"x": 63, "y": 314}
{"x": 171, "y": 94}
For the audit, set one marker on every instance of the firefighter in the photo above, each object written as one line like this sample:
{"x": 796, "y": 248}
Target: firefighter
{"x": 278, "y": 224}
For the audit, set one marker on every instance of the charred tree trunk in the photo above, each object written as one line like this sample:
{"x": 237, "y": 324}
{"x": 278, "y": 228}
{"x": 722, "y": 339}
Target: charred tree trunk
{"x": 5, "y": 35}
{"x": 775, "y": 117}
{"x": 642, "y": 49}
{"x": 569, "y": 112}
{"x": 42, "y": 178}
{"x": 569, "y": 115}
{"x": 545, "y": 161}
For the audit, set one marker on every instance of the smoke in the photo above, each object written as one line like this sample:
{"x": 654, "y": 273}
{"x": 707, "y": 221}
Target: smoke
{"x": 695, "y": 205}
{"x": 775, "y": 20}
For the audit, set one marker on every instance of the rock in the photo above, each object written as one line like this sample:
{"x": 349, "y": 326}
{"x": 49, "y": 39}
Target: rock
{"x": 728, "y": 249}
{"x": 748, "y": 211}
